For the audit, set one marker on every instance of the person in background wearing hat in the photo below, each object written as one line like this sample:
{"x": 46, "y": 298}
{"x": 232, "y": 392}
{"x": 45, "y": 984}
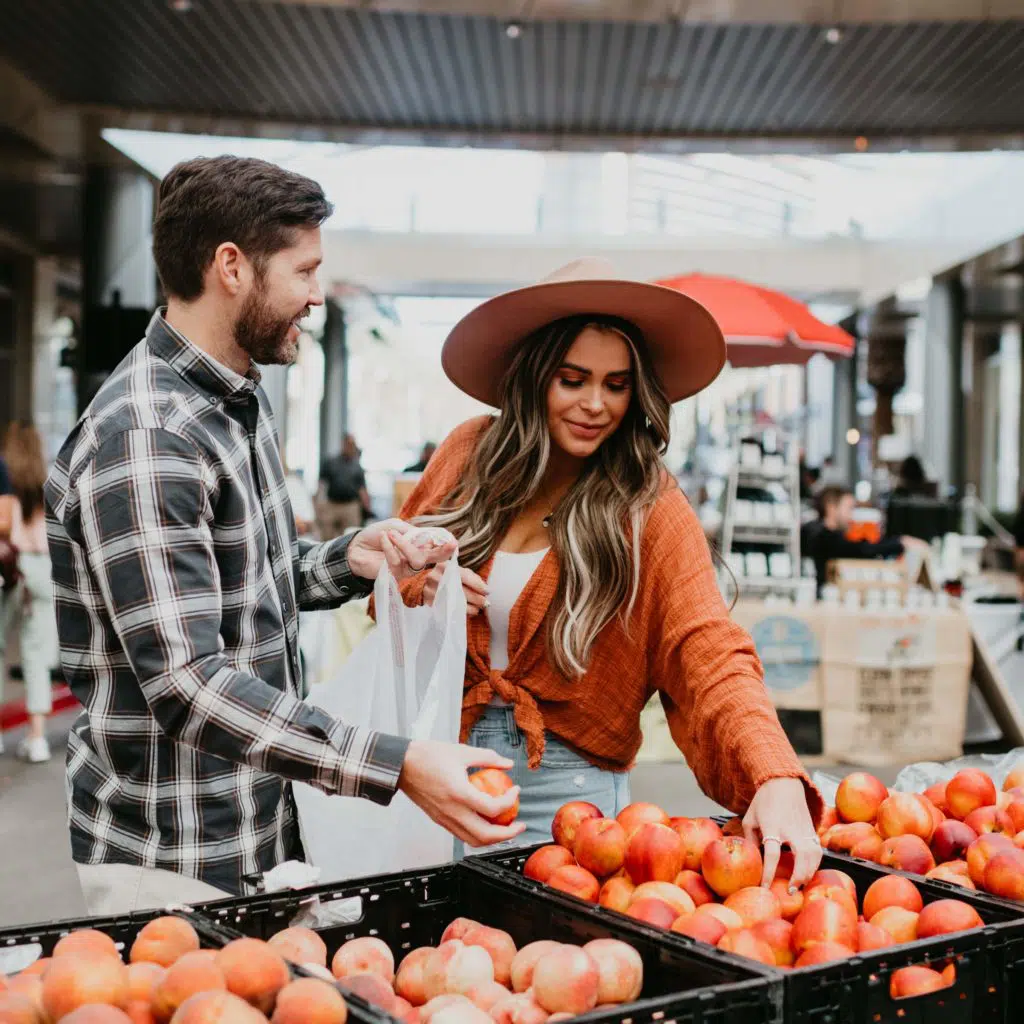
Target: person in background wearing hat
{"x": 589, "y": 582}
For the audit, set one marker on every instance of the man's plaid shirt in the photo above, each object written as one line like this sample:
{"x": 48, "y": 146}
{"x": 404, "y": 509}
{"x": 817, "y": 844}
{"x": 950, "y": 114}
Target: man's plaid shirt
{"x": 178, "y": 580}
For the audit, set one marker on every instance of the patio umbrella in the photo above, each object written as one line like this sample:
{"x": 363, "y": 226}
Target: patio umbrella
{"x": 763, "y": 327}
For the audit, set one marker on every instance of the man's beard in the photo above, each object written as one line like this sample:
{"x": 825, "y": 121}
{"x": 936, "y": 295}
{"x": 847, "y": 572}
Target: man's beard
{"x": 263, "y": 332}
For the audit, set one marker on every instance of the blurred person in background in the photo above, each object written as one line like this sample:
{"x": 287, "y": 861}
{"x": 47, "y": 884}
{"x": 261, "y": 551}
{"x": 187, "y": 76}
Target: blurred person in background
{"x": 29, "y": 605}
{"x": 425, "y": 455}
{"x": 825, "y": 539}
{"x": 589, "y": 583}
{"x": 343, "y": 502}
{"x": 913, "y": 481}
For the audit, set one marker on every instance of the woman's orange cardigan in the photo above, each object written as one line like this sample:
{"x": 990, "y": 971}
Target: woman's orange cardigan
{"x": 679, "y": 642}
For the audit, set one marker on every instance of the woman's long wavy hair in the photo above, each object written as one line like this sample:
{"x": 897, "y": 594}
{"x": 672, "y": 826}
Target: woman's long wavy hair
{"x": 597, "y": 528}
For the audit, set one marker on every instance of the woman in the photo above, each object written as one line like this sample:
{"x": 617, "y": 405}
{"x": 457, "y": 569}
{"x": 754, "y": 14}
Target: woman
{"x": 30, "y": 603}
{"x": 589, "y": 583}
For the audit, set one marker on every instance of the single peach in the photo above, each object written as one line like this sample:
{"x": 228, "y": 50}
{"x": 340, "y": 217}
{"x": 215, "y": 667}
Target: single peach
{"x": 600, "y": 846}
{"x": 825, "y": 921}
{"x": 365, "y": 955}
{"x": 790, "y": 903}
{"x": 869, "y": 848}
{"x": 892, "y": 891}
{"x": 823, "y": 953}
{"x": 255, "y": 972}
{"x": 620, "y": 971}
{"x": 951, "y": 839}
{"x": 905, "y": 814}
{"x": 936, "y": 793}
{"x": 543, "y": 863}
{"x": 696, "y": 834}
{"x": 754, "y": 904}
{"x": 907, "y": 853}
{"x": 495, "y": 782}
{"x": 1004, "y": 874}
{"x": 75, "y": 980}
{"x": 743, "y": 942}
{"x": 981, "y": 851}
{"x": 985, "y": 820}
{"x": 300, "y": 946}
{"x": 915, "y": 981}
{"x": 635, "y": 815}
{"x": 568, "y": 819}
{"x": 309, "y": 1001}
{"x": 668, "y": 893}
{"x": 942, "y": 917}
{"x": 567, "y": 980}
{"x": 87, "y": 942}
{"x": 832, "y": 877}
{"x": 409, "y": 984}
{"x": 702, "y": 927}
{"x": 859, "y": 797}
{"x": 654, "y": 854}
{"x": 871, "y": 936}
{"x": 693, "y": 884}
{"x": 498, "y": 945}
{"x": 576, "y": 881}
{"x": 843, "y": 838}
{"x": 731, "y": 864}
{"x": 216, "y": 1006}
{"x": 653, "y": 912}
{"x": 163, "y": 940}
{"x": 967, "y": 791}
{"x": 188, "y": 975}
{"x": 526, "y": 960}
{"x": 616, "y": 894}
{"x": 779, "y": 936}
{"x": 899, "y": 922}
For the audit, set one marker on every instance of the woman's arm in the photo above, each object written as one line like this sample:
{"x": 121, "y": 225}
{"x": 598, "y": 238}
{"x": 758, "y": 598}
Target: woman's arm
{"x": 707, "y": 670}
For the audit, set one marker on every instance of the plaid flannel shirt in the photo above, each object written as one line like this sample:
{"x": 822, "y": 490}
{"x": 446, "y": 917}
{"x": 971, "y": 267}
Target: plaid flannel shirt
{"x": 178, "y": 580}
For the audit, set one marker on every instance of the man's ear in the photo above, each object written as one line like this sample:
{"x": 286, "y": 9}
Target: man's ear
{"x": 230, "y": 270}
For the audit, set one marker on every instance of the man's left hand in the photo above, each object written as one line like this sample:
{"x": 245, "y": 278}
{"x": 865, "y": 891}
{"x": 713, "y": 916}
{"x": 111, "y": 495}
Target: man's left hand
{"x": 385, "y": 542}
{"x": 778, "y": 816}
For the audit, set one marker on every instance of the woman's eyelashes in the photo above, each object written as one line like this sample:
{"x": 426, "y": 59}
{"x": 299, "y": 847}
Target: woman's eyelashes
{"x": 574, "y": 385}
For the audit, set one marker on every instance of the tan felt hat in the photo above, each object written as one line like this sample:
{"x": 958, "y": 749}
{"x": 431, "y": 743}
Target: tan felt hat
{"x": 685, "y": 343}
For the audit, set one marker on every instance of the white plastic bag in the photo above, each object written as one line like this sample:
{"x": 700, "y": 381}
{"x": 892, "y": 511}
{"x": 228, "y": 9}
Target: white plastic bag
{"x": 405, "y": 678}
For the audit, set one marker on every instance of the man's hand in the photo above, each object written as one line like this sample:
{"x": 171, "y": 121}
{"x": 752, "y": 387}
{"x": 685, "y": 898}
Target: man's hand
{"x": 778, "y": 815}
{"x": 385, "y": 541}
{"x": 435, "y": 778}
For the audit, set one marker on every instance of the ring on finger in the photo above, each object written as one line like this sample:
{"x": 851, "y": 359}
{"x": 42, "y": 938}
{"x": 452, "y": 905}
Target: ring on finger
{"x": 771, "y": 839}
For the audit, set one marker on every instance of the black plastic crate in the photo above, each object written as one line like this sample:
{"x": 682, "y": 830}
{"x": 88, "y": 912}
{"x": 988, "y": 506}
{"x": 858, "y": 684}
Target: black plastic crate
{"x": 682, "y": 985}
{"x": 989, "y": 960}
{"x": 22, "y": 945}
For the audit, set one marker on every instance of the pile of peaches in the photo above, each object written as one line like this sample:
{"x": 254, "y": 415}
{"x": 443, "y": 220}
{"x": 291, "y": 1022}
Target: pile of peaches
{"x": 476, "y": 975}
{"x": 686, "y": 875}
{"x": 170, "y": 979}
{"x": 962, "y": 831}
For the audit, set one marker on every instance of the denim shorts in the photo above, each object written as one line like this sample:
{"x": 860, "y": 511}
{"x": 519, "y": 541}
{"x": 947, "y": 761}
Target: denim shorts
{"x": 563, "y": 776}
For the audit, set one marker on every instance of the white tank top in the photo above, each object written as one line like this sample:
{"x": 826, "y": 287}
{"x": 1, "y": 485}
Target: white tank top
{"x": 509, "y": 576}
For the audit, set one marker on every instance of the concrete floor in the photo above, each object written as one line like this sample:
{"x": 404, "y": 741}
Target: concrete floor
{"x": 38, "y": 880}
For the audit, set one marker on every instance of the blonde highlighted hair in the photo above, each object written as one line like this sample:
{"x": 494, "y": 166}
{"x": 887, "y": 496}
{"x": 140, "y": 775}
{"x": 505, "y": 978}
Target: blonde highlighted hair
{"x": 597, "y": 529}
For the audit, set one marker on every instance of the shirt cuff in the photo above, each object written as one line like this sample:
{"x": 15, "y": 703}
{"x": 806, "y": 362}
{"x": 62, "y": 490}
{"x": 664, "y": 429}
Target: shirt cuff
{"x": 331, "y": 577}
{"x": 371, "y": 763}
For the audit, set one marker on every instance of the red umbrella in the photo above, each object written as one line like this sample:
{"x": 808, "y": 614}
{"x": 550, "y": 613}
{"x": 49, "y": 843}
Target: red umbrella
{"x": 763, "y": 327}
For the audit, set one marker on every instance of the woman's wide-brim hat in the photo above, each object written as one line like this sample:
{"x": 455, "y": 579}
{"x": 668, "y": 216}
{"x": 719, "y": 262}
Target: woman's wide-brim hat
{"x": 686, "y": 345}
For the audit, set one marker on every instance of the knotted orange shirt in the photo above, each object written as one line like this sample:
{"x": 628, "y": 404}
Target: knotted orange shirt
{"x": 679, "y": 642}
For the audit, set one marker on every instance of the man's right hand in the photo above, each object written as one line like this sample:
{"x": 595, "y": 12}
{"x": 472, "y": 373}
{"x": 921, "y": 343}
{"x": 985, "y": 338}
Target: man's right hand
{"x": 435, "y": 778}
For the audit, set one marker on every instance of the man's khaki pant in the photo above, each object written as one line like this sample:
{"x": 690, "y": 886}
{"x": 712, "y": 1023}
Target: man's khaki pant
{"x": 333, "y": 518}
{"x": 115, "y": 889}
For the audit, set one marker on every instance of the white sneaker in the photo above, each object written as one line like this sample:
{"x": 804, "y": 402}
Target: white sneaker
{"x": 35, "y": 751}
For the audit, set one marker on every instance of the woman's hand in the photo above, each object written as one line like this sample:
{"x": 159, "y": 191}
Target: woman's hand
{"x": 777, "y": 816}
{"x": 386, "y": 541}
{"x": 473, "y": 587}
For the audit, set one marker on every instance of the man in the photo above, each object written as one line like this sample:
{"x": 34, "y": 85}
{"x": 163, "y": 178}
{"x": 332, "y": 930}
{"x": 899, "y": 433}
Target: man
{"x": 824, "y": 539}
{"x": 342, "y": 501}
{"x": 178, "y": 577}
{"x": 426, "y": 454}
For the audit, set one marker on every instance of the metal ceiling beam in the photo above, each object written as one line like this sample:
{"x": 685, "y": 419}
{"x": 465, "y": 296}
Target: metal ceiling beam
{"x": 28, "y": 112}
{"x": 781, "y": 12}
{"x": 667, "y": 145}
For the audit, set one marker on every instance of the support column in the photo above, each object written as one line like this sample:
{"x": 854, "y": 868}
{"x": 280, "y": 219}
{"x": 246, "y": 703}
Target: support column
{"x": 334, "y": 410}
{"x": 117, "y": 269}
{"x": 844, "y": 409}
{"x": 943, "y": 397}
{"x": 887, "y": 368}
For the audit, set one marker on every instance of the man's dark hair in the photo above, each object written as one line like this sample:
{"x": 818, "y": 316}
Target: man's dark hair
{"x": 830, "y": 496}
{"x": 205, "y": 202}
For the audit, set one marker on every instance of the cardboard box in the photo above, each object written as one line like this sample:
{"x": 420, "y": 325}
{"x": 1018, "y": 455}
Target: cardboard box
{"x": 790, "y": 643}
{"x": 895, "y": 685}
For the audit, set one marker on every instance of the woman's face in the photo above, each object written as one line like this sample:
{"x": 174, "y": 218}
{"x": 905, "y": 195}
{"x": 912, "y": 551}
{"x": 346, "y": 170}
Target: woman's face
{"x": 590, "y": 392}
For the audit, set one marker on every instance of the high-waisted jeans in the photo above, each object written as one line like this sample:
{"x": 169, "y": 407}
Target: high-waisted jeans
{"x": 563, "y": 776}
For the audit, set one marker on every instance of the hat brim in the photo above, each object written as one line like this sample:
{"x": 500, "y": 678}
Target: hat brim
{"x": 685, "y": 343}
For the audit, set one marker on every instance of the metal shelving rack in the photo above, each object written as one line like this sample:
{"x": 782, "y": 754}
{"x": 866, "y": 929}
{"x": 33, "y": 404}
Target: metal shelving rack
{"x": 786, "y": 535}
